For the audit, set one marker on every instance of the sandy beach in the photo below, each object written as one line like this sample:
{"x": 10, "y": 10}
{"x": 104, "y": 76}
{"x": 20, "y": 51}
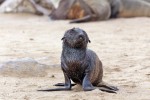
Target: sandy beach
{"x": 123, "y": 45}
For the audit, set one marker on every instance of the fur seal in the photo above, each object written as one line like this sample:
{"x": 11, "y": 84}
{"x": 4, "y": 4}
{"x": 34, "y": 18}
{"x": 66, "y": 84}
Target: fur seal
{"x": 81, "y": 65}
{"x": 93, "y": 10}
{"x": 1, "y": 1}
{"x": 39, "y": 7}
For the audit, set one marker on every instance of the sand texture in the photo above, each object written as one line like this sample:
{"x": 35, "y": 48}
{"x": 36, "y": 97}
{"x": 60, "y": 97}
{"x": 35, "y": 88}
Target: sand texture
{"x": 123, "y": 45}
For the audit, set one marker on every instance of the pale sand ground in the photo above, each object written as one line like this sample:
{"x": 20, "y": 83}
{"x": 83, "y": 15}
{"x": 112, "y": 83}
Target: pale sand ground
{"x": 123, "y": 45}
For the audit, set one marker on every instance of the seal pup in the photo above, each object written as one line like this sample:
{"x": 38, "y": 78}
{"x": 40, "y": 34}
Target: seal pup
{"x": 81, "y": 65}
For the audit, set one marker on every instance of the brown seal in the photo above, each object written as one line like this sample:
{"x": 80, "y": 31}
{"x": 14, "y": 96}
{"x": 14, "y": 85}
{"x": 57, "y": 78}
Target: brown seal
{"x": 93, "y": 10}
{"x": 1, "y": 1}
{"x": 71, "y": 9}
{"x": 81, "y": 65}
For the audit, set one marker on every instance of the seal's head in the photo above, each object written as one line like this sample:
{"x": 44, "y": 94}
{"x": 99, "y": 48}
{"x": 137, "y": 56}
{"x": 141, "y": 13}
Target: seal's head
{"x": 76, "y": 38}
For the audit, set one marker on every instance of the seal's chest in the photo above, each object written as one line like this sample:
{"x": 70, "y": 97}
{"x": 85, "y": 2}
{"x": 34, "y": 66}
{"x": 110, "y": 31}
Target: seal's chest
{"x": 75, "y": 68}
{"x": 76, "y": 73}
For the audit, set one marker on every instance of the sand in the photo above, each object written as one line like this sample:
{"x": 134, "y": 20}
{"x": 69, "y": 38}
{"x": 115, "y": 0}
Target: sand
{"x": 123, "y": 45}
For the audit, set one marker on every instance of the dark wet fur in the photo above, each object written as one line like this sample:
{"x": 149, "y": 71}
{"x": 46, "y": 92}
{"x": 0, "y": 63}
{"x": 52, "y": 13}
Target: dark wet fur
{"x": 80, "y": 64}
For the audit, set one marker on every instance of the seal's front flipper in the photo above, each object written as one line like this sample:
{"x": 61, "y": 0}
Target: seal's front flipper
{"x": 56, "y": 89}
{"x": 84, "y": 19}
{"x": 62, "y": 84}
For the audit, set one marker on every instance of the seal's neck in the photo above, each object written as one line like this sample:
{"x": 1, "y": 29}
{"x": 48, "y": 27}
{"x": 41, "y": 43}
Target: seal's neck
{"x": 73, "y": 53}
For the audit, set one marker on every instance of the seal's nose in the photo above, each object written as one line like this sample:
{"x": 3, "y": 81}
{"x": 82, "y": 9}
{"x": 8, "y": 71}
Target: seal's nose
{"x": 81, "y": 37}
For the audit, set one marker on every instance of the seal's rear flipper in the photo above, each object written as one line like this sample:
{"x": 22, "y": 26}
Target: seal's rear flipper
{"x": 84, "y": 19}
{"x": 80, "y": 20}
{"x": 107, "y": 88}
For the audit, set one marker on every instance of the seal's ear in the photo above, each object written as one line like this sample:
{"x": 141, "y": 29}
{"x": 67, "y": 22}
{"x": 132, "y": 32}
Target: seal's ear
{"x": 89, "y": 41}
{"x": 63, "y": 38}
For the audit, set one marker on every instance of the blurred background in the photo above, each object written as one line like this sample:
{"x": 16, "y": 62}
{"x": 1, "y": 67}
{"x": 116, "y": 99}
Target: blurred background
{"x": 30, "y": 50}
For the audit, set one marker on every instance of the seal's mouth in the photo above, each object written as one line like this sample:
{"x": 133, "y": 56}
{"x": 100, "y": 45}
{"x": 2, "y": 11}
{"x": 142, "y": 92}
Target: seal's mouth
{"x": 79, "y": 45}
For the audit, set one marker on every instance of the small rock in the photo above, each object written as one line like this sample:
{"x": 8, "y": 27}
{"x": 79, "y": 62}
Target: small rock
{"x": 24, "y": 67}
{"x": 52, "y": 76}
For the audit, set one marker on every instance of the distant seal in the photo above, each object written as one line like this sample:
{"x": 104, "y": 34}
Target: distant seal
{"x": 95, "y": 10}
{"x": 81, "y": 65}
{"x": 1, "y": 1}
